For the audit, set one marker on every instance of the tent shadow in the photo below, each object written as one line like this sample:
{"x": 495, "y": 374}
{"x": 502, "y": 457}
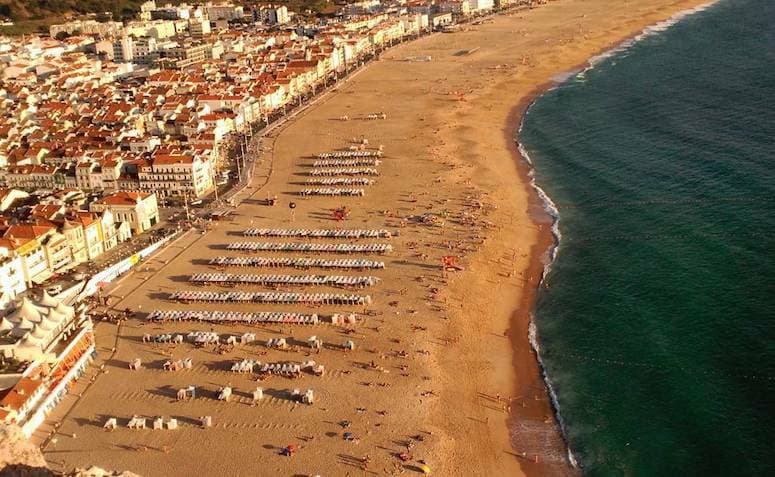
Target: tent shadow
{"x": 188, "y": 420}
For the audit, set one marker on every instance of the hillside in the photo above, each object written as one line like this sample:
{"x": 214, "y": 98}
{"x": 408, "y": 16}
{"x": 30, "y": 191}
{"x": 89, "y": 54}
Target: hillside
{"x": 21, "y": 10}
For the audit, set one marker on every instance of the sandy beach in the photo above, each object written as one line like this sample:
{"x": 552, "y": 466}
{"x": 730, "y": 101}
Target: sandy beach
{"x": 442, "y": 371}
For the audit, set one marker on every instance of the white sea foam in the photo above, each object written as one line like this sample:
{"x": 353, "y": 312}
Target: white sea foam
{"x": 551, "y": 208}
{"x": 532, "y": 334}
{"x": 645, "y": 33}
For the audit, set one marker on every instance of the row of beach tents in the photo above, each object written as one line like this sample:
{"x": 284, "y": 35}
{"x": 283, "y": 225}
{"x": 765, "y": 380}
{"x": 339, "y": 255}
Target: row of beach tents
{"x": 270, "y": 297}
{"x": 274, "y": 262}
{"x": 234, "y": 317}
{"x": 310, "y": 247}
{"x": 318, "y": 233}
{"x": 319, "y": 280}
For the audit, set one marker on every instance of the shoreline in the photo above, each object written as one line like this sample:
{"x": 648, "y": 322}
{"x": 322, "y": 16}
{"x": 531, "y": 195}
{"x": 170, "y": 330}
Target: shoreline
{"x": 544, "y": 244}
{"x": 463, "y": 346}
{"x": 544, "y": 251}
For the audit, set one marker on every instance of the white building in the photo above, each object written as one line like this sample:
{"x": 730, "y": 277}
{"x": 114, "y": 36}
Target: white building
{"x": 138, "y": 209}
{"x": 144, "y": 50}
{"x": 456, "y": 7}
{"x": 199, "y": 26}
{"x": 223, "y": 12}
{"x": 10, "y": 197}
{"x": 12, "y": 281}
{"x": 26, "y": 242}
{"x": 178, "y": 175}
{"x": 123, "y": 49}
{"x": 481, "y": 6}
{"x": 146, "y": 9}
{"x": 128, "y": 49}
{"x": 273, "y": 15}
{"x": 31, "y": 177}
{"x": 87, "y": 27}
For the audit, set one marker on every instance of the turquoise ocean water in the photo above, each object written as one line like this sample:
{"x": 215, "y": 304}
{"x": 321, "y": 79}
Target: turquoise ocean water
{"x": 656, "y": 326}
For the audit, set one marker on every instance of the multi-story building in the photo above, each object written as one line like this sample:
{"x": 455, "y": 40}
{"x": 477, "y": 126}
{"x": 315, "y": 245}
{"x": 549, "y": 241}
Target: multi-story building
{"x": 128, "y": 49}
{"x": 223, "y": 12}
{"x": 272, "y": 15}
{"x": 138, "y": 209}
{"x": 199, "y": 26}
{"x": 86, "y": 176}
{"x": 440, "y": 20}
{"x": 12, "y": 282}
{"x": 144, "y": 50}
{"x": 112, "y": 233}
{"x": 87, "y": 27}
{"x": 73, "y": 232}
{"x": 458, "y": 8}
{"x": 183, "y": 54}
{"x": 158, "y": 29}
{"x": 178, "y": 175}
{"x": 92, "y": 233}
{"x": 31, "y": 177}
{"x": 26, "y": 241}
{"x": 123, "y": 49}
{"x": 365, "y": 7}
{"x": 165, "y": 14}
{"x": 57, "y": 250}
{"x": 481, "y": 6}
{"x": 145, "y": 10}
{"x": 110, "y": 173}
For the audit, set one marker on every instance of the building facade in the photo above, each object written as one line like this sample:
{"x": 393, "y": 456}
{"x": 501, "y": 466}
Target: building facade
{"x": 138, "y": 209}
{"x": 178, "y": 175}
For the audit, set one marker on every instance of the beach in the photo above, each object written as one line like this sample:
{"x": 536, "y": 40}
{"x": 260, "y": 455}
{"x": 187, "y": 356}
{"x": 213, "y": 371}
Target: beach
{"x": 443, "y": 370}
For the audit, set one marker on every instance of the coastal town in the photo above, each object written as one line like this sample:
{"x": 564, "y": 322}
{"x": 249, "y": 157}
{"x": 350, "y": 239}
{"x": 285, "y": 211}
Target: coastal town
{"x": 120, "y": 141}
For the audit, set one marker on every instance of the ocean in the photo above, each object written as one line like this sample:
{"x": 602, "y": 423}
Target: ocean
{"x": 656, "y": 319}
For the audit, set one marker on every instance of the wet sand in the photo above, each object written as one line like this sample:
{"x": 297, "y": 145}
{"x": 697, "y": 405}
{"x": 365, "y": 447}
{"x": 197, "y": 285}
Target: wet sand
{"x": 454, "y": 382}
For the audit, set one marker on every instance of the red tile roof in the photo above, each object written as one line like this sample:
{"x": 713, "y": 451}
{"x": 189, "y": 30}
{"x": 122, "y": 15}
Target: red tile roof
{"x": 24, "y": 231}
{"x": 20, "y": 393}
{"x": 123, "y": 198}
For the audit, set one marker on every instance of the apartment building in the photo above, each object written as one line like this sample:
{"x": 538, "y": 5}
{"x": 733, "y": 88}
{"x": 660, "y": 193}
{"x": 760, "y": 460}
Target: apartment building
{"x": 458, "y": 8}
{"x": 32, "y": 177}
{"x": 140, "y": 50}
{"x": 178, "y": 175}
{"x": 199, "y": 26}
{"x": 138, "y": 209}
{"x": 182, "y": 55}
{"x": 27, "y": 242}
{"x": 12, "y": 282}
{"x": 272, "y": 15}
